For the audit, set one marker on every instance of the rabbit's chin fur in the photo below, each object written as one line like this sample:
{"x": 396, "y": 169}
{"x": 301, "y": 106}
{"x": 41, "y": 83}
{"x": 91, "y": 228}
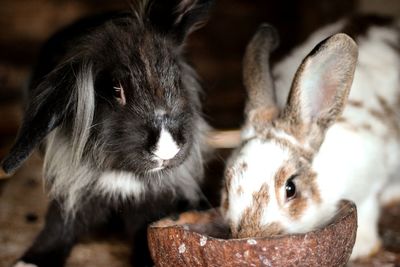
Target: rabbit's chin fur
{"x": 357, "y": 160}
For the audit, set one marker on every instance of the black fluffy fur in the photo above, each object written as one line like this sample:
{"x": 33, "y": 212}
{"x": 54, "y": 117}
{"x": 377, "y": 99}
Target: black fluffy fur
{"x": 141, "y": 51}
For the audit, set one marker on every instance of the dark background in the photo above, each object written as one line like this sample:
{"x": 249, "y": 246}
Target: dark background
{"x": 215, "y": 51}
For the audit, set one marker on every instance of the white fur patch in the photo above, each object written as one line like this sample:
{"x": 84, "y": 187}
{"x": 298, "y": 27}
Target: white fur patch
{"x": 121, "y": 184}
{"x": 62, "y": 177}
{"x": 166, "y": 146}
{"x": 23, "y": 264}
{"x": 85, "y": 104}
{"x": 263, "y": 160}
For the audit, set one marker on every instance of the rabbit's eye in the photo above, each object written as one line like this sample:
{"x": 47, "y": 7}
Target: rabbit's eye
{"x": 290, "y": 188}
{"x": 119, "y": 94}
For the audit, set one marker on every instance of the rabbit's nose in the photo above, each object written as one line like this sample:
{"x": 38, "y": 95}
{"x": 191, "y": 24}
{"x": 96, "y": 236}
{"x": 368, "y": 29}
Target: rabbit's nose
{"x": 166, "y": 147}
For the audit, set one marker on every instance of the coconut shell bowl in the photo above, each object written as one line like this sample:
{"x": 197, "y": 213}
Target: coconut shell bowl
{"x": 202, "y": 239}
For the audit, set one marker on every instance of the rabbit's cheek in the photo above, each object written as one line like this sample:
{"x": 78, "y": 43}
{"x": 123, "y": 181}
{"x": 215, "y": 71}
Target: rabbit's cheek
{"x": 297, "y": 207}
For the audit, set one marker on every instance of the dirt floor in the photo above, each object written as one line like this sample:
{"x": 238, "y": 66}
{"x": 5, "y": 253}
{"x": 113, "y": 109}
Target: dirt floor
{"x": 22, "y": 208}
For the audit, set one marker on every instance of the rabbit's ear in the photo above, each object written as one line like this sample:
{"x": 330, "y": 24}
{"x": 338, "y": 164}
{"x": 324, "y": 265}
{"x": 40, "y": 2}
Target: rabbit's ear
{"x": 261, "y": 104}
{"x": 47, "y": 105}
{"x": 178, "y": 17}
{"x": 322, "y": 84}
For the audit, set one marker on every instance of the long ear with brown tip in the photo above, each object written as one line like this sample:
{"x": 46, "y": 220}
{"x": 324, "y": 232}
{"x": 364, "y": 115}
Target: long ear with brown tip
{"x": 261, "y": 104}
{"x": 322, "y": 84}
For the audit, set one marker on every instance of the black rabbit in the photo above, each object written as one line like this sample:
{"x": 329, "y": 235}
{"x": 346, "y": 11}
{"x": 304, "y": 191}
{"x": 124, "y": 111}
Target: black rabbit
{"x": 117, "y": 111}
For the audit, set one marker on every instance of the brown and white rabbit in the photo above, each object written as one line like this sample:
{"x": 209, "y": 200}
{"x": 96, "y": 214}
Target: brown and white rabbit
{"x": 118, "y": 110}
{"x": 309, "y": 141}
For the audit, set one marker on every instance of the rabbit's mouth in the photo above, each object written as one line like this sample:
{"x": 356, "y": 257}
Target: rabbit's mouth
{"x": 162, "y": 164}
{"x": 157, "y": 169}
